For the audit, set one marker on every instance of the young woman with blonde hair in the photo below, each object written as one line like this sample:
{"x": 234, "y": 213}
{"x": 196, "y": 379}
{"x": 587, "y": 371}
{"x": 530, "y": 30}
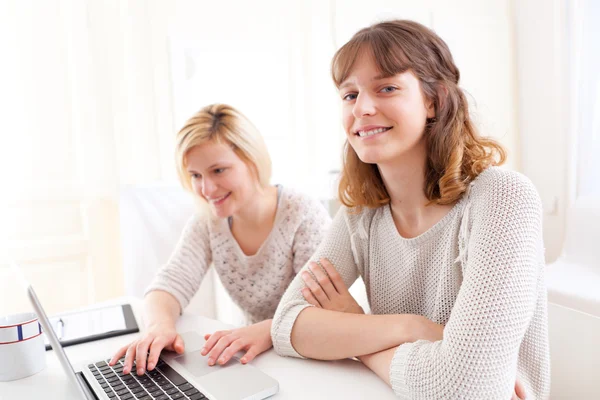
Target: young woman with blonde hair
{"x": 448, "y": 244}
{"x": 257, "y": 237}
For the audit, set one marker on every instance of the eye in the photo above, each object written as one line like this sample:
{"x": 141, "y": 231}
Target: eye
{"x": 195, "y": 175}
{"x": 388, "y": 89}
{"x": 349, "y": 97}
{"x": 219, "y": 170}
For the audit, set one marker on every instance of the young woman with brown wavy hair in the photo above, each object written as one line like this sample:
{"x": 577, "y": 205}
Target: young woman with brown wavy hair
{"x": 448, "y": 244}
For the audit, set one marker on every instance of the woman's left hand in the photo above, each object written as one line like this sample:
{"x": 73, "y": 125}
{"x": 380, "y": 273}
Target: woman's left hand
{"x": 222, "y": 345}
{"x": 329, "y": 290}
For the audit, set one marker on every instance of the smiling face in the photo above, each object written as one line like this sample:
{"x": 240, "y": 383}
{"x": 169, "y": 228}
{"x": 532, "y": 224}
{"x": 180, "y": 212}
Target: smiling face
{"x": 221, "y": 177}
{"x": 383, "y": 117}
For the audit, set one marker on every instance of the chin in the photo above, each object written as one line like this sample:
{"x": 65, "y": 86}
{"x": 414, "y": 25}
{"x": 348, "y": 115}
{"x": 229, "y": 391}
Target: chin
{"x": 369, "y": 160}
{"x": 382, "y": 155}
{"x": 370, "y": 157}
{"x": 221, "y": 212}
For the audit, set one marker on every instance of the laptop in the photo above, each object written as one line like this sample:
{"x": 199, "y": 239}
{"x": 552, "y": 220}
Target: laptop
{"x": 176, "y": 376}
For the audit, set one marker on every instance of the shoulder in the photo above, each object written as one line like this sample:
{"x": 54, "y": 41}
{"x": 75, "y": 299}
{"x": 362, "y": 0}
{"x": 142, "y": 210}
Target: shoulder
{"x": 499, "y": 182}
{"x": 302, "y": 205}
{"x": 201, "y": 222}
{"x": 197, "y": 229}
{"x": 358, "y": 221}
{"x": 498, "y": 190}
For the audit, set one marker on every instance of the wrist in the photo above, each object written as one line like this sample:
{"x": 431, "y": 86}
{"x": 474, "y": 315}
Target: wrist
{"x": 164, "y": 323}
{"x": 353, "y": 309}
{"x": 267, "y": 323}
{"x": 405, "y": 327}
{"x": 418, "y": 327}
{"x": 267, "y": 326}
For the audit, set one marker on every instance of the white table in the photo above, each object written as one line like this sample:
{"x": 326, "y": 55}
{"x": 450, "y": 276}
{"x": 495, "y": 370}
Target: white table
{"x": 298, "y": 379}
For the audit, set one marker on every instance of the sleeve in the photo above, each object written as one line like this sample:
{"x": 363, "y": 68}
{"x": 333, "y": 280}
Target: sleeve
{"x": 183, "y": 273}
{"x": 478, "y": 355}
{"x": 309, "y": 234}
{"x": 337, "y": 248}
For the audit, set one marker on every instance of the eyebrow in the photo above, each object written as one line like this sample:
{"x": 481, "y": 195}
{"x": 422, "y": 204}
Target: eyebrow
{"x": 376, "y": 78}
{"x": 211, "y": 167}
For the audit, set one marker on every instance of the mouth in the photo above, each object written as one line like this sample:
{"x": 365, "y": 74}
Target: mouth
{"x": 371, "y": 132}
{"x": 219, "y": 200}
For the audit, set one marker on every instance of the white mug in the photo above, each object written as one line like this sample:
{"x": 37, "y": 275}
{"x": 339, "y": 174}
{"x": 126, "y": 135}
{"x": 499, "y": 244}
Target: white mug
{"x": 22, "y": 349}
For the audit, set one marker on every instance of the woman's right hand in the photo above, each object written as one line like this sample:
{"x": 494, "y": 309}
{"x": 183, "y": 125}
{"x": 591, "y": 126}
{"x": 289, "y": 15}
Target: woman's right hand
{"x": 328, "y": 290}
{"x": 155, "y": 339}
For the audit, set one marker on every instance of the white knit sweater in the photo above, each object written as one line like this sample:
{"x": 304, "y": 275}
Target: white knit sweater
{"x": 479, "y": 271}
{"x": 255, "y": 283}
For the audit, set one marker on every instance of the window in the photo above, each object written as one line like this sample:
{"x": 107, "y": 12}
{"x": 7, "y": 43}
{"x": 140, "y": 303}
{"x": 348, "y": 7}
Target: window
{"x": 586, "y": 96}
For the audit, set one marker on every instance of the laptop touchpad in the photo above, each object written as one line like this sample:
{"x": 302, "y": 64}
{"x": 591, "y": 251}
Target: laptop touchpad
{"x": 192, "y": 340}
{"x": 197, "y": 364}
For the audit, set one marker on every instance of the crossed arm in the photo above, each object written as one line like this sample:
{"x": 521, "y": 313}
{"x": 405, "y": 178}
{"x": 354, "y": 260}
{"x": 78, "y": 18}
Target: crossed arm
{"x": 345, "y": 331}
{"x": 336, "y": 327}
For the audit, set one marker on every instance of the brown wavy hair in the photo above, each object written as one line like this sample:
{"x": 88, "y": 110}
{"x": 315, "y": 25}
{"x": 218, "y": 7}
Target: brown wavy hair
{"x": 456, "y": 153}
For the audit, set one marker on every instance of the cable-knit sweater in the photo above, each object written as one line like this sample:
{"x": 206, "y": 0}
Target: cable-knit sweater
{"x": 257, "y": 282}
{"x": 479, "y": 271}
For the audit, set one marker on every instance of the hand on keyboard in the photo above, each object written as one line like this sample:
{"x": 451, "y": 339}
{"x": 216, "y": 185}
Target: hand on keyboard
{"x": 154, "y": 340}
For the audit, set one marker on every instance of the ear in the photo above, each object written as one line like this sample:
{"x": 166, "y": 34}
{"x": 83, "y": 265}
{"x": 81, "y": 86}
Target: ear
{"x": 442, "y": 93}
{"x": 430, "y": 107}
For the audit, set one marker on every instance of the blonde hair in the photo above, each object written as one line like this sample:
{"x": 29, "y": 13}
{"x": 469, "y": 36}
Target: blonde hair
{"x": 221, "y": 123}
{"x": 456, "y": 153}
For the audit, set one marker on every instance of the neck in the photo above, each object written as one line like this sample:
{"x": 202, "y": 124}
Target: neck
{"x": 259, "y": 210}
{"x": 404, "y": 180}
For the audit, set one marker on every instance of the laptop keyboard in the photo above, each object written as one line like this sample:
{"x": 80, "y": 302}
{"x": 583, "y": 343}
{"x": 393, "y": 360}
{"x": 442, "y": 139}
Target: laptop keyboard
{"x": 162, "y": 383}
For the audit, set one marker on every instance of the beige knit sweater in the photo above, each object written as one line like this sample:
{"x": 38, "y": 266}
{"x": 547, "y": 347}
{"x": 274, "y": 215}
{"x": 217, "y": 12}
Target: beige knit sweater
{"x": 479, "y": 271}
{"x": 257, "y": 282}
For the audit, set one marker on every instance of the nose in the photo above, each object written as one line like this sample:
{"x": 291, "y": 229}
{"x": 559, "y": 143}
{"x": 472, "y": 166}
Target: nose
{"x": 364, "y": 105}
{"x": 208, "y": 187}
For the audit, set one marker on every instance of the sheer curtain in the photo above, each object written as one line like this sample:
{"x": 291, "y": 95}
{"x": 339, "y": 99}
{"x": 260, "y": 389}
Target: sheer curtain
{"x": 581, "y": 106}
{"x": 84, "y": 113}
{"x": 587, "y": 97}
{"x": 583, "y": 215}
